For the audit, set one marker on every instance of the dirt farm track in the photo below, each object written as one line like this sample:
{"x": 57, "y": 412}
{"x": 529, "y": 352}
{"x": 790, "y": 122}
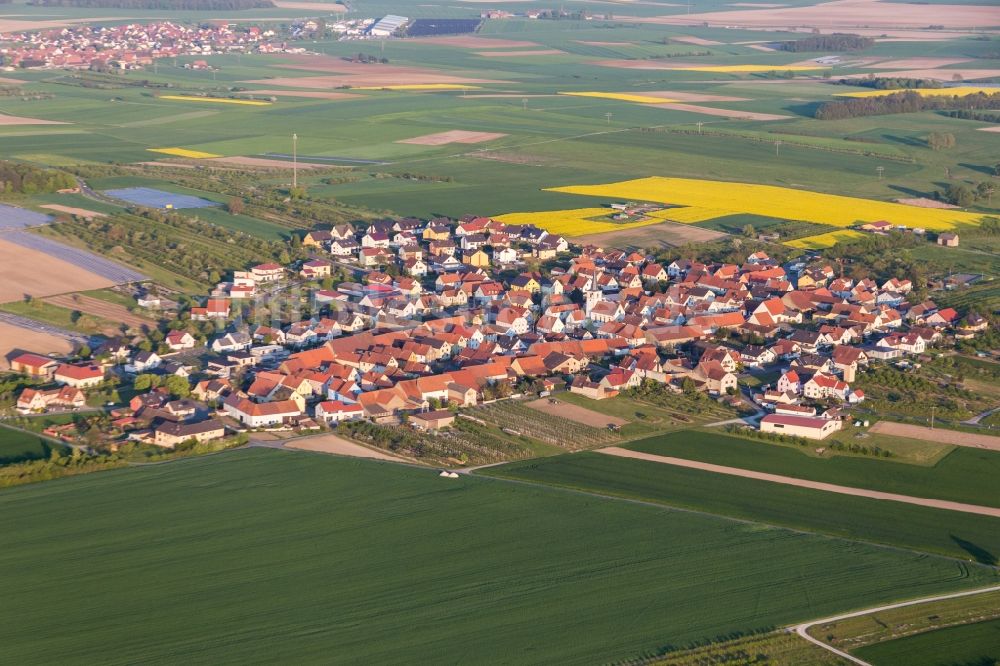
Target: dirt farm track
{"x": 953, "y": 437}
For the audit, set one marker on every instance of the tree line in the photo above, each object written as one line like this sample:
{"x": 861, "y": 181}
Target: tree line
{"x": 903, "y": 102}
{"x": 890, "y": 83}
{"x": 26, "y": 179}
{"x": 834, "y": 42}
{"x": 187, "y": 5}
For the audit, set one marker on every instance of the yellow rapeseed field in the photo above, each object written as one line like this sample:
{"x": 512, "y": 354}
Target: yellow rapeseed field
{"x": 821, "y": 241}
{"x": 958, "y": 91}
{"x": 216, "y": 100}
{"x": 419, "y": 86}
{"x": 748, "y": 68}
{"x": 573, "y": 222}
{"x": 183, "y": 152}
{"x": 625, "y": 97}
{"x": 771, "y": 201}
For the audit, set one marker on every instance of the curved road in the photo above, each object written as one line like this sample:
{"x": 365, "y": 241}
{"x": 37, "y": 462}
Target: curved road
{"x": 803, "y": 629}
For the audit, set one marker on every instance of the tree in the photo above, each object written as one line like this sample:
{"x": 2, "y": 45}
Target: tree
{"x": 84, "y": 351}
{"x": 178, "y": 386}
{"x": 145, "y": 382}
{"x": 960, "y": 195}
{"x": 234, "y": 206}
{"x": 940, "y": 140}
{"x": 749, "y": 231}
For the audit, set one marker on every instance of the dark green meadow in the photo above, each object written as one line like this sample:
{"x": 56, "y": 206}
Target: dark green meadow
{"x": 269, "y": 556}
{"x": 972, "y": 644}
{"x": 905, "y": 526}
{"x": 16, "y": 446}
{"x": 965, "y": 475}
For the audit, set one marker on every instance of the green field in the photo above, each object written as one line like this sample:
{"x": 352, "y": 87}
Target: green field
{"x": 964, "y": 475}
{"x": 972, "y": 644}
{"x": 262, "y": 556}
{"x": 949, "y": 533}
{"x": 16, "y": 446}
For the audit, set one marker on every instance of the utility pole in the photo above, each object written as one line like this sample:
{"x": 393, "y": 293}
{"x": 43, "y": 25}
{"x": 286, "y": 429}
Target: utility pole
{"x": 699, "y": 124}
{"x": 295, "y": 161}
{"x": 880, "y": 169}
{"x": 777, "y": 147}
{"x": 933, "y": 407}
{"x": 524, "y": 103}
{"x": 608, "y": 116}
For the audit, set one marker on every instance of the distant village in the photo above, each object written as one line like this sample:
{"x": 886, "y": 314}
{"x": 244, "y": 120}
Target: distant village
{"x": 442, "y": 315}
{"x": 133, "y": 46}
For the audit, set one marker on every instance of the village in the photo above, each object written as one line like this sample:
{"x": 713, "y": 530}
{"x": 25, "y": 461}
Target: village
{"x": 133, "y": 46}
{"x": 439, "y": 316}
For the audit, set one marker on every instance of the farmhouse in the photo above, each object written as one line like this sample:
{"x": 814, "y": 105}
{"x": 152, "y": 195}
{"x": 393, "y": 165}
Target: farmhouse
{"x": 258, "y": 414}
{"x": 34, "y": 365}
{"x": 79, "y": 376}
{"x": 171, "y": 433}
{"x": 67, "y": 397}
{"x": 811, "y": 427}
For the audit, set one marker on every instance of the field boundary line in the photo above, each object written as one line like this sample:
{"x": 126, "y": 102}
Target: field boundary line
{"x": 803, "y": 629}
{"x": 947, "y": 505}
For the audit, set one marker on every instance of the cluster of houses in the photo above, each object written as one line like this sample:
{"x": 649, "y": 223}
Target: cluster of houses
{"x": 883, "y": 227}
{"x": 131, "y": 46}
{"x": 452, "y": 313}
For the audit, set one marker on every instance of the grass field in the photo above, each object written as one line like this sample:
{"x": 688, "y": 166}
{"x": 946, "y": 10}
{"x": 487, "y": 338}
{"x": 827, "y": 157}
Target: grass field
{"x": 297, "y": 560}
{"x": 905, "y": 526}
{"x": 16, "y": 446}
{"x": 964, "y": 475}
{"x": 973, "y": 644}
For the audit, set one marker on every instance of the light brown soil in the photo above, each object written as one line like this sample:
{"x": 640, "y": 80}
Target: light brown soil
{"x": 692, "y": 97}
{"x": 995, "y": 128}
{"x": 725, "y": 113}
{"x": 924, "y": 202}
{"x": 953, "y": 437}
{"x": 98, "y": 308}
{"x": 339, "y": 72}
{"x": 70, "y": 210}
{"x": 312, "y": 94}
{"x": 576, "y": 413}
{"x": 518, "y": 54}
{"x": 843, "y": 14}
{"x": 473, "y": 42}
{"x": 17, "y": 339}
{"x": 338, "y": 446}
{"x": 915, "y": 63}
{"x": 11, "y": 82}
{"x": 802, "y": 483}
{"x": 936, "y": 74}
{"x": 262, "y": 163}
{"x": 20, "y": 120}
{"x": 667, "y": 234}
{"x": 453, "y": 136}
{"x": 698, "y": 41}
{"x": 26, "y": 271}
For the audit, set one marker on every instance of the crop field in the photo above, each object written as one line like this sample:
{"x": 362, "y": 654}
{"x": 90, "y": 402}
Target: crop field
{"x": 956, "y": 91}
{"x": 215, "y": 100}
{"x": 575, "y": 222}
{"x": 923, "y": 529}
{"x": 546, "y": 427}
{"x": 523, "y": 569}
{"x": 976, "y": 644}
{"x": 184, "y": 152}
{"x": 771, "y": 201}
{"x": 17, "y": 446}
{"x": 964, "y": 475}
{"x": 820, "y": 241}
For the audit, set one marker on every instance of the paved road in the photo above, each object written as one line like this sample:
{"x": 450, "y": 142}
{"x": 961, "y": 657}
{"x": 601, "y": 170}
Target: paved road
{"x": 803, "y": 629}
{"x": 617, "y": 451}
